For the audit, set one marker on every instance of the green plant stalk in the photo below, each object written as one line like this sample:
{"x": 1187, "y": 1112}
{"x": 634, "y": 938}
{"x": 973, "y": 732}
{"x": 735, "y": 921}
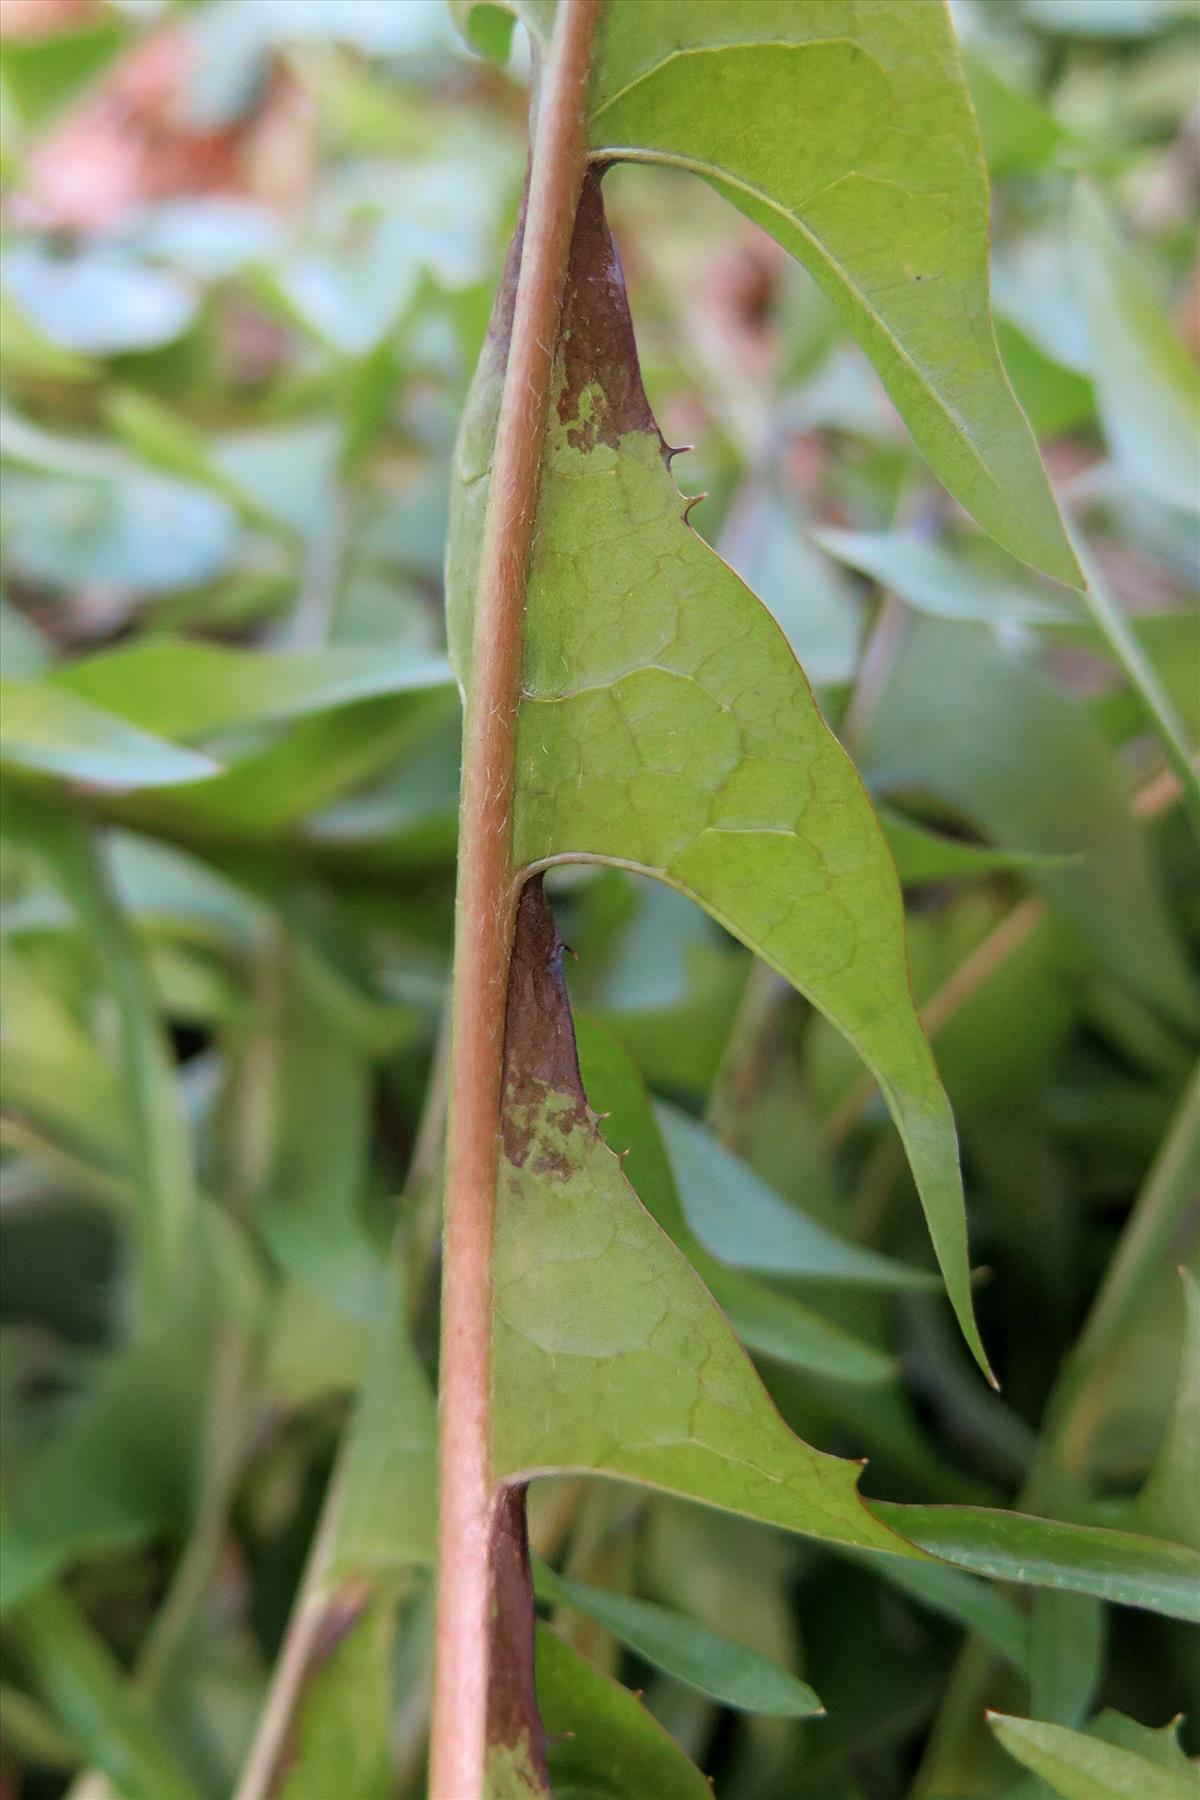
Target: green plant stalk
{"x": 485, "y": 915}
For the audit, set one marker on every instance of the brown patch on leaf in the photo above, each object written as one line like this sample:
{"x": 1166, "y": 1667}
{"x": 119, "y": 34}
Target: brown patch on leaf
{"x": 597, "y": 351}
{"x": 539, "y": 1036}
{"x": 513, "y": 1722}
{"x": 596, "y": 344}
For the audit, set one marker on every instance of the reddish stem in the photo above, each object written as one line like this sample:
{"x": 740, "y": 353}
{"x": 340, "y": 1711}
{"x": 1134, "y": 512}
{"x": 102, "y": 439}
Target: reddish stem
{"x": 485, "y": 918}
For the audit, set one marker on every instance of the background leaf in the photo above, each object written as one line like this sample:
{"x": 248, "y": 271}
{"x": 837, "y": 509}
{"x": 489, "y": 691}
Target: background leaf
{"x": 1078, "y": 1767}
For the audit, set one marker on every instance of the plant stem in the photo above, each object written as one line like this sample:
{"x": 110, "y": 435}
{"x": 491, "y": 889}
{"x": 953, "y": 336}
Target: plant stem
{"x": 485, "y": 916}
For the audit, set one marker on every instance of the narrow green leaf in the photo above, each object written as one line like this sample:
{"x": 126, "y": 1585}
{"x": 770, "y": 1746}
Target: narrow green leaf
{"x": 311, "y": 1209}
{"x": 1080, "y": 1767}
{"x": 50, "y": 732}
{"x": 388, "y": 1512}
{"x": 1067, "y": 1644}
{"x": 968, "y": 1600}
{"x": 1081, "y": 1559}
{"x": 159, "y": 1141}
{"x": 601, "y": 1739}
{"x": 608, "y": 1354}
{"x": 687, "y": 1650}
{"x": 1019, "y": 136}
{"x": 186, "y": 690}
{"x": 883, "y": 196}
{"x": 167, "y": 441}
{"x": 272, "y": 790}
{"x": 53, "y": 1074}
{"x": 740, "y": 1220}
{"x": 29, "y": 1733}
{"x": 1169, "y": 1503}
{"x": 935, "y": 580}
{"x": 82, "y": 1684}
{"x": 922, "y": 855}
{"x": 1146, "y": 387}
{"x": 1159, "y": 1745}
{"x": 666, "y": 726}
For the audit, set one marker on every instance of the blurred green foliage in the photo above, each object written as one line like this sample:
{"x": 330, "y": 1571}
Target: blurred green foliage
{"x": 248, "y": 257}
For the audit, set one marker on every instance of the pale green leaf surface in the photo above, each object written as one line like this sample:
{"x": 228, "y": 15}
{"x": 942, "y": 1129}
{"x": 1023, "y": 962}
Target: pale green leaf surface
{"x": 723, "y": 1670}
{"x": 1147, "y": 389}
{"x": 50, "y": 732}
{"x": 602, "y": 1741}
{"x": 666, "y": 725}
{"x": 744, "y": 1223}
{"x": 951, "y": 587}
{"x": 608, "y": 1354}
{"x": 767, "y": 1321}
{"x": 1169, "y": 1503}
{"x": 882, "y": 195}
{"x": 1084, "y": 1559}
{"x": 188, "y": 690}
{"x": 1159, "y": 1745}
{"x": 1078, "y": 1766}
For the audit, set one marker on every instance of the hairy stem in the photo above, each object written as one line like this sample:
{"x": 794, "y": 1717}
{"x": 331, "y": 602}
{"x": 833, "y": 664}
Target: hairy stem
{"x": 485, "y": 917}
